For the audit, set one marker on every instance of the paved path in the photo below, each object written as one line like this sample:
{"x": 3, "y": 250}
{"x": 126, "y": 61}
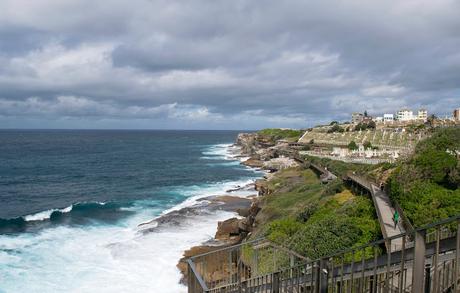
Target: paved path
{"x": 386, "y": 212}
{"x": 326, "y": 175}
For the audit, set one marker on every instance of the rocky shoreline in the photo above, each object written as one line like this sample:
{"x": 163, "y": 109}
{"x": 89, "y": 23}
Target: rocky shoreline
{"x": 261, "y": 154}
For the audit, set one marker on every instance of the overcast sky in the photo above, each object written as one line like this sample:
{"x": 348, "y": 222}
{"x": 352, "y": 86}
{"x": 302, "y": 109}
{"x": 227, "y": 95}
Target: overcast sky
{"x": 223, "y": 64}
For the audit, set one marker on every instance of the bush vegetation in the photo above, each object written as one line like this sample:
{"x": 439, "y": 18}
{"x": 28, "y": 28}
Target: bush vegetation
{"x": 364, "y": 126}
{"x": 315, "y": 219}
{"x": 352, "y": 145}
{"x": 335, "y": 128}
{"x": 427, "y": 185}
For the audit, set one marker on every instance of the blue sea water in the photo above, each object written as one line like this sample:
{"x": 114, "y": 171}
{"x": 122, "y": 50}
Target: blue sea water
{"x": 71, "y": 202}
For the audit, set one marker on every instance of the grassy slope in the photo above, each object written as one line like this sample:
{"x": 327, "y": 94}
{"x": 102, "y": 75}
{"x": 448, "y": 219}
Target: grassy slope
{"x": 312, "y": 218}
{"x": 276, "y": 133}
{"x": 374, "y": 172}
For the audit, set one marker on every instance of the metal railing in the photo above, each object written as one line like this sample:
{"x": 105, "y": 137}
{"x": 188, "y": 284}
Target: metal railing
{"x": 231, "y": 266}
{"x": 429, "y": 264}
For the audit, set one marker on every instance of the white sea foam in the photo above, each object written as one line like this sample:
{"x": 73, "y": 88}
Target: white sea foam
{"x": 102, "y": 258}
{"x": 222, "y": 152}
{"x": 111, "y": 258}
{"x": 41, "y": 216}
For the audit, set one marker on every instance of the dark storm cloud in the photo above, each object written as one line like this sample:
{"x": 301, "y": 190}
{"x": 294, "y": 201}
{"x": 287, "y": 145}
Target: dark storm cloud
{"x": 225, "y": 64}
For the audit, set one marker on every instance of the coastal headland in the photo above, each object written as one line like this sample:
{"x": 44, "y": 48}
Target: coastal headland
{"x": 309, "y": 205}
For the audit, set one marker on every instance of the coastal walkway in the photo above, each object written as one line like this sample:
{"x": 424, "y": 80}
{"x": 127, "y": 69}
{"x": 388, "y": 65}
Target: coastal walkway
{"x": 384, "y": 209}
{"x": 326, "y": 175}
{"x": 380, "y": 198}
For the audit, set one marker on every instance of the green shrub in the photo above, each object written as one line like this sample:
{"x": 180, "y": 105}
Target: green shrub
{"x": 282, "y": 229}
{"x": 307, "y": 212}
{"x": 333, "y": 187}
{"x": 426, "y": 186}
{"x": 435, "y": 164}
{"x": 352, "y": 145}
{"x": 335, "y": 128}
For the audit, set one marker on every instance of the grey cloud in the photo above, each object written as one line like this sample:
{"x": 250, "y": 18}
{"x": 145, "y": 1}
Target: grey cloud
{"x": 292, "y": 62}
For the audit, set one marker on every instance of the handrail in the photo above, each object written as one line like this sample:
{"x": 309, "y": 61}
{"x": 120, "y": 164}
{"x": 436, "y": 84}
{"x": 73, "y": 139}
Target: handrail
{"x": 441, "y": 248}
{"x": 368, "y": 185}
{"x": 197, "y": 275}
{"x": 405, "y": 220}
{"x": 228, "y": 247}
{"x": 407, "y": 233}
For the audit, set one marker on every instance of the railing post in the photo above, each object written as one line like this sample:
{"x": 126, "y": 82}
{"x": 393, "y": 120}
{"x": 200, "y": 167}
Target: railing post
{"x": 427, "y": 278}
{"x": 457, "y": 257}
{"x": 189, "y": 279}
{"x": 323, "y": 275}
{"x": 276, "y": 283}
{"x": 419, "y": 262}
{"x": 371, "y": 284}
{"x": 242, "y": 287}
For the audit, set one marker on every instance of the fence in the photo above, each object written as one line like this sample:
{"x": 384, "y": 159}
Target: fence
{"x": 429, "y": 264}
{"x": 230, "y": 266}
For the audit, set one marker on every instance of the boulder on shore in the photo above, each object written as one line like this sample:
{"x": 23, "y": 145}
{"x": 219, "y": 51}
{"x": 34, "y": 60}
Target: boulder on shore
{"x": 231, "y": 229}
{"x": 254, "y": 163}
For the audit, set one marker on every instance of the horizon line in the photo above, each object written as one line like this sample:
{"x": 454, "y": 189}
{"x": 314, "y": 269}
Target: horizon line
{"x": 130, "y": 129}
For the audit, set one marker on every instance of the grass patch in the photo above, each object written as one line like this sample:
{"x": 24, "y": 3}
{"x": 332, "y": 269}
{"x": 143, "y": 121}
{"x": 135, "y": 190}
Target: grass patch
{"x": 277, "y": 133}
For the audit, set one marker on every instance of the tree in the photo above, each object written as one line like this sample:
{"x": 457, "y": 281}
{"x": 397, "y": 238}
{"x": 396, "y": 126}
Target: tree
{"x": 371, "y": 124}
{"x": 352, "y": 145}
{"x": 367, "y": 145}
{"x": 334, "y": 122}
{"x": 360, "y": 126}
{"x": 430, "y": 120}
{"x": 365, "y": 114}
{"x": 436, "y": 164}
{"x": 335, "y": 128}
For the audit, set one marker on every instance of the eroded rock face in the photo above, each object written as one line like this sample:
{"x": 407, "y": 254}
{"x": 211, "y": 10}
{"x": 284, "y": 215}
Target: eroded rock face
{"x": 267, "y": 154}
{"x": 262, "y": 187}
{"x": 254, "y": 163}
{"x": 247, "y": 142}
{"x": 231, "y": 228}
{"x": 252, "y": 143}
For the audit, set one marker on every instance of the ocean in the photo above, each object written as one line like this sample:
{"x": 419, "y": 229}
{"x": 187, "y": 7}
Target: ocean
{"x": 71, "y": 202}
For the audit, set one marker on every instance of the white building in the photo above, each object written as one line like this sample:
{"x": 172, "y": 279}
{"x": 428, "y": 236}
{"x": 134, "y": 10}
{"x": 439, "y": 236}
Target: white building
{"x": 388, "y": 118}
{"x": 422, "y": 114}
{"x": 378, "y": 119}
{"x": 405, "y": 115}
{"x": 357, "y": 118}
